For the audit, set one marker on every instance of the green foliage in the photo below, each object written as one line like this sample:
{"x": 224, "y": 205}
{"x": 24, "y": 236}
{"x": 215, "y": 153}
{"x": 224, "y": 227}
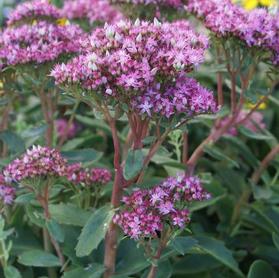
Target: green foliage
{"x": 38, "y": 258}
{"x": 133, "y": 164}
{"x": 94, "y": 231}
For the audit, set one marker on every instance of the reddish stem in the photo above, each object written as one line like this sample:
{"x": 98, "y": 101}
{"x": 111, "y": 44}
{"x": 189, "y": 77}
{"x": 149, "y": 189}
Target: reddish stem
{"x": 43, "y": 200}
{"x": 185, "y": 148}
{"x": 111, "y": 236}
{"x": 4, "y": 125}
{"x": 264, "y": 164}
{"x": 219, "y": 81}
{"x": 244, "y": 198}
{"x": 233, "y": 92}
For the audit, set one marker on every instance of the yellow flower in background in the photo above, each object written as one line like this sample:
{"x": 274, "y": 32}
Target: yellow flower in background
{"x": 62, "y": 21}
{"x": 1, "y": 88}
{"x": 252, "y": 4}
{"x": 250, "y": 105}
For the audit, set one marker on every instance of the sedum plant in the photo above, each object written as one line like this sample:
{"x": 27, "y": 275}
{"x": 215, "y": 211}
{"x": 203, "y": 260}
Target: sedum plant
{"x": 138, "y": 69}
{"x": 140, "y": 171}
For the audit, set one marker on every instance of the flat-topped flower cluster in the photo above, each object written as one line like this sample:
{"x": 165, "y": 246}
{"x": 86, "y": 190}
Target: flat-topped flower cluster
{"x": 78, "y": 175}
{"x": 7, "y": 193}
{"x": 257, "y": 28}
{"x": 93, "y": 10}
{"x": 45, "y": 162}
{"x": 38, "y": 9}
{"x": 38, "y": 43}
{"x": 145, "y": 211}
{"x": 40, "y": 40}
{"x": 186, "y": 96}
{"x": 168, "y": 3}
{"x": 141, "y": 60}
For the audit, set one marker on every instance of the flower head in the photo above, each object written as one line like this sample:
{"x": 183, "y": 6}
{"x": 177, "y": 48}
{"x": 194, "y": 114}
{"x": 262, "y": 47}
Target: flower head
{"x": 38, "y": 43}
{"x": 142, "y": 64}
{"x": 7, "y": 193}
{"x": 256, "y": 28}
{"x": 254, "y": 123}
{"x": 63, "y": 130}
{"x": 36, "y": 162}
{"x": 168, "y": 3}
{"x": 145, "y": 211}
{"x": 34, "y": 10}
{"x": 79, "y": 175}
{"x": 92, "y": 10}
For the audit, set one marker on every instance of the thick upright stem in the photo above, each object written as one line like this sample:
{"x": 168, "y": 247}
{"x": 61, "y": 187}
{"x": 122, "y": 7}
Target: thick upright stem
{"x": 244, "y": 198}
{"x": 233, "y": 92}
{"x": 185, "y": 148}
{"x": 4, "y": 125}
{"x": 219, "y": 81}
{"x": 48, "y": 109}
{"x": 111, "y": 236}
{"x": 264, "y": 164}
{"x": 44, "y": 203}
{"x": 163, "y": 242}
{"x": 69, "y": 124}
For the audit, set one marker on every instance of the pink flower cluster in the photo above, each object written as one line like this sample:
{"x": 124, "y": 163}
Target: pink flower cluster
{"x": 37, "y": 161}
{"x": 38, "y": 9}
{"x": 63, "y": 130}
{"x": 7, "y": 193}
{"x": 78, "y": 175}
{"x": 146, "y": 211}
{"x": 185, "y": 96}
{"x": 254, "y": 123}
{"x": 34, "y": 35}
{"x": 169, "y": 3}
{"x": 135, "y": 58}
{"x": 43, "y": 161}
{"x": 38, "y": 43}
{"x": 256, "y": 28}
{"x": 132, "y": 56}
{"x": 92, "y": 10}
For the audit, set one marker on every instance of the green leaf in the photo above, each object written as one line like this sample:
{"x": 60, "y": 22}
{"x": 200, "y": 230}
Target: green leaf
{"x": 219, "y": 251}
{"x": 256, "y": 136}
{"x": 195, "y": 263}
{"x": 100, "y": 124}
{"x": 219, "y": 155}
{"x": 94, "y": 231}
{"x": 242, "y": 149}
{"x": 34, "y": 216}
{"x": 69, "y": 214}
{"x": 131, "y": 258}
{"x": 134, "y": 164}
{"x": 206, "y": 203}
{"x": 55, "y": 230}
{"x": 13, "y": 141}
{"x": 73, "y": 144}
{"x": 275, "y": 238}
{"x": 11, "y": 272}
{"x": 164, "y": 270}
{"x": 94, "y": 271}
{"x": 25, "y": 198}
{"x": 34, "y": 133}
{"x": 83, "y": 155}
{"x": 183, "y": 244}
{"x": 260, "y": 269}
{"x": 38, "y": 258}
